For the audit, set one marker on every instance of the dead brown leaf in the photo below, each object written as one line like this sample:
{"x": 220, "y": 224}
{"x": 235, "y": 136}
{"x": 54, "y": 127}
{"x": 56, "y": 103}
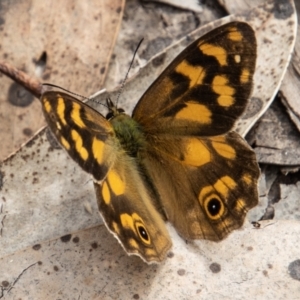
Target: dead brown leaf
{"x": 68, "y": 43}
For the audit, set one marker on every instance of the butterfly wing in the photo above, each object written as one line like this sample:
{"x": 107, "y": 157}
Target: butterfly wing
{"x": 206, "y": 88}
{"x": 86, "y": 135}
{"x": 206, "y": 185}
{"x": 205, "y": 175}
{"x": 126, "y": 204}
{"x": 124, "y": 199}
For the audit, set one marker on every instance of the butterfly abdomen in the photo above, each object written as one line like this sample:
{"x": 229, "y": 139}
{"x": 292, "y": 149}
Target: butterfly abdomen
{"x": 128, "y": 133}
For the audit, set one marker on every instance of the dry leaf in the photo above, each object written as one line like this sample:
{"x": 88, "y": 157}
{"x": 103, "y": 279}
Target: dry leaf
{"x": 160, "y": 26}
{"x": 68, "y": 43}
{"x": 290, "y": 90}
{"x": 193, "y": 5}
{"x": 91, "y": 264}
{"x": 277, "y": 141}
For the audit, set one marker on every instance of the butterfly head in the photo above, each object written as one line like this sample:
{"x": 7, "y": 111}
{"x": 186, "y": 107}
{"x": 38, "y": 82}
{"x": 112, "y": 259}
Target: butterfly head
{"x": 113, "y": 111}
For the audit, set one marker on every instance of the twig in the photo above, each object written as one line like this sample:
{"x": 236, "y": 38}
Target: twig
{"x": 29, "y": 83}
{"x": 17, "y": 279}
{"x": 2, "y": 223}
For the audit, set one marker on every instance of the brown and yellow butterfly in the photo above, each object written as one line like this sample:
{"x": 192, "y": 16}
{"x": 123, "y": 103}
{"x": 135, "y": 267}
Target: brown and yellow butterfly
{"x": 176, "y": 158}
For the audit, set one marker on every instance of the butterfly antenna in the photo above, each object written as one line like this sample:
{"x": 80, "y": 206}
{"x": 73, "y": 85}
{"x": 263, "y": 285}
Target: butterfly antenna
{"x": 75, "y": 94}
{"x": 126, "y": 76}
{"x": 59, "y": 87}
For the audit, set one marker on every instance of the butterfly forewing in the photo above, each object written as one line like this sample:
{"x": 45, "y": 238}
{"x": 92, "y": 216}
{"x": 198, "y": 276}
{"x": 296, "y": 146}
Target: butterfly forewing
{"x": 206, "y": 88}
{"x": 86, "y": 135}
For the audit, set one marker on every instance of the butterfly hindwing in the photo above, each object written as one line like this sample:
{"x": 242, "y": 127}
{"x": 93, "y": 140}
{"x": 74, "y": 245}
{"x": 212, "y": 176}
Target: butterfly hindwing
{"x": 125, "y": 203}
{"x": 206, "y": 185}
{"x": 206, "y": 88}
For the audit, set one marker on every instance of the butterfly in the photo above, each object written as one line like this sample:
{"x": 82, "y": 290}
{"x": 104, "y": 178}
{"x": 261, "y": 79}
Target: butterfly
{"x": 176, "y": 158}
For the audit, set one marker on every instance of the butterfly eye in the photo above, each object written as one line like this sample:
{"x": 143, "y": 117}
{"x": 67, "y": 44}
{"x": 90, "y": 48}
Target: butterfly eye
{"x": 214, "y": 206}
{"x": 114, "y": 113}
{"x": 109, "y": 115}
{"x": 143, "y": 234}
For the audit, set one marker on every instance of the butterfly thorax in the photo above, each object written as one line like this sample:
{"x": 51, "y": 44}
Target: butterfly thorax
{"x": 128, "y": 133}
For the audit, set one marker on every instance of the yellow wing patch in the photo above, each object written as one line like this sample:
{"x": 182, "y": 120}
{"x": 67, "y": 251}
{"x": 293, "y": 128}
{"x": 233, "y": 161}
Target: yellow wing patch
{"x": 98, "y": 149}
{"x": 247, "y": 179}
{"x": 245, "y": 76}
{"x": 116, "y": 183}
{"x": 75, "y": 115}
{"x": 218, "y": 52}
{"x": 224, "y": 185}
{"x": 105, "y": 193}
{"x": 47, "y": 105}
{"x": 237, "y": 58}
{"x": 127, "y": 221}
{"x": 79, "y": 145}
{"x": 133, "y": 244}
{"x": 61, "y": 110}
{"x": 65, "y": 143}
{"x": 116, "y": 227}
{"x": 235, "y": 35}
{"x": 194, "y": 73}
{"x": 224, "y": 149}
{"x": 194, "y": 111}
{"x": 241, "y": 205}
{"x": 196, "y": 153}
{"x": 220, "y": 86}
